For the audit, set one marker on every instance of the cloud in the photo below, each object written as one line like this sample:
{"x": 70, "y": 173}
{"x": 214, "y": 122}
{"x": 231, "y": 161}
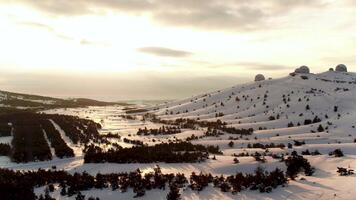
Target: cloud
{"x": 228, "y": 15}
{"x": 36, "y": 25}
{"x": 95, "y": 43}
{"x": 45, "y": 27}
{"x": 161, "y": 51}
{"x": 251, "y": 66}
{"x": 262, "y": 66}
{"x": 349, "y": 59}
{"x": 62, "y": 36}
{"x": 214, "y": 18}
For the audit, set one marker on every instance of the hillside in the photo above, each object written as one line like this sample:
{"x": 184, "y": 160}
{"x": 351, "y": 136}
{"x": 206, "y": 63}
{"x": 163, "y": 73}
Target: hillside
{"x": 292, "y": 106}
{"x": 263, "y": 125}
{"x": 10, "y": 100}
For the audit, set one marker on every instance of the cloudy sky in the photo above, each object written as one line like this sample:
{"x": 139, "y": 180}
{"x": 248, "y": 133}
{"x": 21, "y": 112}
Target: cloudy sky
{"x": 166, "y": 49}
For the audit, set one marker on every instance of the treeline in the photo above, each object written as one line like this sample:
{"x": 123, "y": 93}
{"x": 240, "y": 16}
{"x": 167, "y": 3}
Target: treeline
{"x": 216, "y": 132}
{"x": 111, "y": 135}
{"x": 233, "y": 130}
{"x": 60, "y": 147}
{"x": 164, "y": 130}
{"x": 266, "y": 146}
{"x": 193, "y": 124}
{"x": 261, "y": 180}
{"x": 182, "y": 152}
{"x": 5, "y": 130}
{"x": 135, "y": 142}
{"x": 129, "y": 117}
{"x": 29, "y": 143}
{"x": 5, "y": 149}
{"x": 77, "y": 129}
{"x": 313, "y": 153}
{"x": 18, "y": 185}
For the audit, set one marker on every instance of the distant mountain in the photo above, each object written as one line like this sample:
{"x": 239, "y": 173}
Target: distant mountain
{"x": 28, "y": 101}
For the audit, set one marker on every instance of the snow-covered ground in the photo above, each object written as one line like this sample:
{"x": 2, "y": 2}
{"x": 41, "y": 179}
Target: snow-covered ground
{"x": 330, "y": 96}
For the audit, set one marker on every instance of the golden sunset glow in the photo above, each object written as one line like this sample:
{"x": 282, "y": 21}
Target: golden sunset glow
{"x": 234, "y": 40}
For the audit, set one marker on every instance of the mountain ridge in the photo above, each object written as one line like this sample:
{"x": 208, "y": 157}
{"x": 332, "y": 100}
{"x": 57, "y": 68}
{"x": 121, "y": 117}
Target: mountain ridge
{"x": 293, "y": 105}
{"x": 30, "y": 101}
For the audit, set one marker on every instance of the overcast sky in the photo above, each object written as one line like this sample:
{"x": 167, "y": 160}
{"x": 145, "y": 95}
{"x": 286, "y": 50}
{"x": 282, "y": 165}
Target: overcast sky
{"x": 166, "y": 49}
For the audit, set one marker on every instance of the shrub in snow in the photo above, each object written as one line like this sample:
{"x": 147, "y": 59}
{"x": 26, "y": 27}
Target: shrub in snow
{"x": 307, "y": 121}
{"x": 296, "y": 164}
{"x": 271, "y": 118}
{"x": 231, "y": 144}
{"x": 344, "y": 172}
{"x": 259, "y": 157}
{"x": 306, "y": 152}
{"x": 298, "y": 143}
{"x": 290, "y": 124}
{"x": 316, "y": 152}
{"x": 341, "y": 68}
{"x": 335, "y": 108}
{"x": 316, "y": 119}
{"x": 336, "y": 153}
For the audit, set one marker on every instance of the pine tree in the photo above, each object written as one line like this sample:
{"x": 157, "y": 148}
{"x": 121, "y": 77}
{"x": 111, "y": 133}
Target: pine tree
{"x": 320, "y": 128}
{"x": 80, "y": 196}
{"x": 173, "y": 192}
{"x": 231, "y": 144}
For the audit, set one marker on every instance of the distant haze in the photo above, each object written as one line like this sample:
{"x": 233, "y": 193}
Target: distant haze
{"x": 122, "y": 87}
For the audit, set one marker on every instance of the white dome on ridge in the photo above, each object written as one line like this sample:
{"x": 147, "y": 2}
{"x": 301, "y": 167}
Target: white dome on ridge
{"x": 341, "y": 68}
{"x": 259, "y": 77}
{"x": 303, "y": 70}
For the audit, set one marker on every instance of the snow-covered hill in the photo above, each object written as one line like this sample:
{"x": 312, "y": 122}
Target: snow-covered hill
{"x": 301, "y": 112}
{"x": 281, "y": 106}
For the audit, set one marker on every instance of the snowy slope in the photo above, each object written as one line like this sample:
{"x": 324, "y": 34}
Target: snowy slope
{"x": 270, "y": 105}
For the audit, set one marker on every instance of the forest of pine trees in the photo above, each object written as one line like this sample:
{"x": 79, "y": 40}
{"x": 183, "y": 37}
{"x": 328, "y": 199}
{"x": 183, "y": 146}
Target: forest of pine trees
{"x": 29, "y": 131}
{"x": 18, "y": 185}
{"x": 60, "y": 147}
{"x": 181, "y": 152}
{"x": 164, "y": 130}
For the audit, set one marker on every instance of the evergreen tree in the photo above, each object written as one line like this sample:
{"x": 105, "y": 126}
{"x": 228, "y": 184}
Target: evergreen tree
{"x": 173, "y": 193}
{"x": 320, "y": 128}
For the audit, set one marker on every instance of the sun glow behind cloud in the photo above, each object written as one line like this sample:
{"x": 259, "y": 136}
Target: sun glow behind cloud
{"x": 107, "y": 43}
{"x": 199, "y": 39}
